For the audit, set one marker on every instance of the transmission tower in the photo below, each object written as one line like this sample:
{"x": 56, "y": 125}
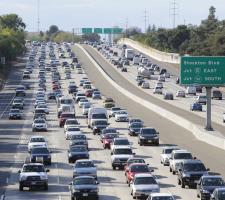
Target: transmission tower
{"x": 174, "y": 11}
{"x": 38, "y": 16}
{"x": 145, "y": 19}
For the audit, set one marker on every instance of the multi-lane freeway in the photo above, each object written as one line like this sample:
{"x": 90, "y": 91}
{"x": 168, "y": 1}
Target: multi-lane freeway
{"x": 15, "y": 134}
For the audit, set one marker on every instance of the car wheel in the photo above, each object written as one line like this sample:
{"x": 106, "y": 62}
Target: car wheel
{"x": 178, "y": 181}
{"x": 21, "y": 187}
{"x": 182, "y": 184}
{"x": 170, "y": 169}
{"x": 114, "y": 168}
{"x": 173, "y": 172}
{"x": 72, "y": 198}
{"x": 46, "y": 187}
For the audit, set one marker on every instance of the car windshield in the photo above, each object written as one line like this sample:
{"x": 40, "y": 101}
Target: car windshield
{"x": 84, "y": 164}
{"x": 33, "y": 168}
{"x": 100, "y": 123}
{"x": 39, "y": 121}
{"x": 37, "y": 140}
{"x": 115, "y": 109}
{"x": 111, "y": 136}
{"x": 213, "y": 182}
{"x": 109, "y": 130}
{"x": 71, "y": 122}
{"x": 136, "y": 125}
{"x": 86, "y": 106}
{"x": 99, "y": 116}
{"x": 123, "y": 151}
{"x": 163, "y": 198}
{"x": 139, "y": 168}
{"x": 148, "y": 131}
{"x": 122, "y": 113}
{"x": 78, "y": 137}
{"x": 40, "y": 151}
{"x": 82, "y": 142}
{"x": 66, "y": 101}
{"x": 221, "y": 195}
{"x": 168, "y": 151}
{"x": 121, "y": 142}
{"x": 15, "y": 111}
{"x": 84, "y": 181}
{"x": 67, "y": 115}
{"x": 78, "y": 149}
{"x": 194, "y": 167}
{"x": 135, "y": 161}
{"x": 183, "y": 156}
{"x": 145, "y": 181}
{"x": 73, "y": 129}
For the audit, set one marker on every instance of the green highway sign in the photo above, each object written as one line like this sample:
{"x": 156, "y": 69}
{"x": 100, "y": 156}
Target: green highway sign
{"x": 117, "y": 30}
{"x": 86, "y": 30}
{"x": 107, "y": 31}
{"x": 98, "y": 30}
{"x": 202, "y": 70}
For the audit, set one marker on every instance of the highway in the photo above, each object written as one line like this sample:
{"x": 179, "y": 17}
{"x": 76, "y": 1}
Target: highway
{"x": 112, "y": 183}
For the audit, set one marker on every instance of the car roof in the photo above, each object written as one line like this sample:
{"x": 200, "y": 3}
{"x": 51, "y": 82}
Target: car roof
{"x": 143, "y": 175}
{"x": 171, "y": 147}
{"x": 38, "y": 136}
{"x": 84, "y": 160}
{"x": 192, "y": 161}
{"x": 161, "y": 194}
{"x": 122, "y": 147}
{"x": 26, "y": 164}
{"x": 134, "y": 164}
{"x": 181, "y": 151}
{"x": 220, "y": 189}
{"x": 212, "y": 176}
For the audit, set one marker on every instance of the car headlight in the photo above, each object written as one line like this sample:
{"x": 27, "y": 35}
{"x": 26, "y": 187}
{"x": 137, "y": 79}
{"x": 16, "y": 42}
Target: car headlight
{"x": 49, "y": 156}
{"x": 156, "y": 137}
{"x": 76, "y": 190}
{"x": 70, "y": 154}
{"x": 205, "y": 191}
{"x": 186, "y": 175}
{"x": 23, "y": 178}
{"x": 44, "y": 177}
{"x": 141, "y": 137}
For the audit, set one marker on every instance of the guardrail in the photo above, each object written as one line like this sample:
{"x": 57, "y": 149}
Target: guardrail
{"x": 173, "y": 58}
{"x": 213, "y": 138}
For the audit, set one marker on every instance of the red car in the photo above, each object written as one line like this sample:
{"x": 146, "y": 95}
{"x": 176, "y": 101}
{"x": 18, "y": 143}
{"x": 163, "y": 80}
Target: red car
{"x": 88, "y": 93}
{"x": 108, "y": 138}
{"x": 136, "y": 168}
{"x": 131, "y": 161}
{"x": 64, "y": 116}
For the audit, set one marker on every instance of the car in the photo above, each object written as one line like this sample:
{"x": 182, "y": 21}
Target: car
{"x": 148, "y": 135}
{"x": 143, "y": 185}
{"x": 39, "y": 124}
{"x": 107, "y": 140}
{"x": 42, "y": 152}
{"x": 64, "y": 116}
{"x": 17, "y": 104}
{"x": 26, "y": 75}
{"x": 161, "y": 78}
{"x": 96, "y": 95}
{"x": 84, "y": 167}
{"x": 207, "y": 184}
{"x": 166, "y": 154}
{"x": 79, "y": 142}
{"x": 15, "y": 114}
{"x": 120, "y": 155}
{"x": 191, "y": 90}
{"x": 140, "y": 82}
{"x": 79, "y": 96}
{"x": 196, "y": 107}
{"x": 134, "y": 128}
{"x": 36, "y": 141}
{"x": 190, "y": 172}
{"x": 84, "y": 187}
{"x": 33, "y": 175}
{"x": 107, "y": 130}
{"x": 202, "y": 99}
{"x": 89, "y": 93}
{"x": 180, "y": 93}
{"x": 168, "y": 96}
{"x": 124, "y": 69}
{"x": 72, "y": 88}
{"x": 85, "y": 108}
{"x": 20, "y": 91}
{"x": 160, "y": 196}
{"x": 71, "y": 122}
{"x": 80, "y": 136}
{"x": 216, "y": 94}
{"x": 99, "y": 125}
{"x": 157, "y": 90}
{"x": 120, "y": 141}
{"x": 136, "y": 168}
{"x": 135, "y": 120}
{"x": 113, "y": 111}
{"x": 131, "y": 161}
{"x": 72, "y": 130}
{"x": 121, "y": 116}
{"x": 80, "y": 71}
{"x": 218, "y": 194}
{"x": 159, "y": 85}
{"x": 145, "y": 85}
{"x": 82, "y": 101}
{"x": 177, "y": 157}
{"x": 43, "y": 106}
{"x": 109, "y": 103}
{"x": 77, "y": 152}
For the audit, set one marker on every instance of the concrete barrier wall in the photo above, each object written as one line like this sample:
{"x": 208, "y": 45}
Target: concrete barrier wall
{"x": 156, "y": 54}
{"x": 213, "y": 138}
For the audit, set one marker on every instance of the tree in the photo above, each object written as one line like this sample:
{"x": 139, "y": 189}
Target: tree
{"x": 53, "y": 29}
{"x": 12, "y": 21}
{"x": 91, "y": 37}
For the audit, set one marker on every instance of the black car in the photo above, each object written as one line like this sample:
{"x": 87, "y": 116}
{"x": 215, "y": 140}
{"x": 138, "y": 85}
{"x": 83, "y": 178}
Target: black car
{"x": 99, "y": 125}
{"x": 216, "y": 94}
{"x": 189, "y": 172}
{"x": 41, "y": 152}
{"x": 72, "y": 89}
{"x": 134, "y": 128}
{"x": 51, "y": 95}
{"x": 148, "y": 135}
{"x": 105, "y": 131}
{"x": 15, "y": 114}
{"x": 77, "y": 152}
{"x": 84, "y": 187}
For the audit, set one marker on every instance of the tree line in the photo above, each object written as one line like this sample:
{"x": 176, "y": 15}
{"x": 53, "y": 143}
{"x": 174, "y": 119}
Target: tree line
{"x": 207, "y": 39}
{"x": 12, "y": 36}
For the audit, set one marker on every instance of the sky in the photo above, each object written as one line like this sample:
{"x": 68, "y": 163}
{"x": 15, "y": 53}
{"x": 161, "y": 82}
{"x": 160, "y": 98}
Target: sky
{"x": 69, "y": 14}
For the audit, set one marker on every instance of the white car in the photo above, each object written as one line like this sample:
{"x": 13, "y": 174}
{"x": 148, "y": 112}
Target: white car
{"x": 118, "y": 142}
{"x": 113, "y": 111}
{"x": 143, "y": 185}
{"x": 180, "y": 93}
{"x": 161, "y": 78}
{"x": 72, "y": 130}
{"x": 43, "y": 106}
{"x": 36, "y": 141}
{"x": 82, "y": 101}
{"x": 70, "y": 122}
{"x": 157, "y": 90}
{"x": 120, "y": 155}
{"x": 145, "y": 85}
{"x": 166, "y": 154}
{"x": 80, "y": 71}
{"x": 121, "y": 116}
{"x": 177, "y": 157}
{"x": 39, "y": 124}
{"x": 160, "y": 196}
{"x": 85, "y": 108}
{"x": 159, "y": 84}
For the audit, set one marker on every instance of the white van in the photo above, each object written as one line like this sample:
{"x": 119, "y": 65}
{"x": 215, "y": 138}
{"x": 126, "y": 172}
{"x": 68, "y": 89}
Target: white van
{"x": 191, "y": 90}
{"x": 96, "y": 113}
{"x": 136, "y": 60}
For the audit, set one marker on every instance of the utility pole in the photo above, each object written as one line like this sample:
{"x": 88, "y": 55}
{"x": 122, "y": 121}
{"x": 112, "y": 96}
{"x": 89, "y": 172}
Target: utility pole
{"x": 174, "y": 9}
{"x": 145, "y": 19}
{"x": 73, "y": 35}
{"x": 38, "y": 16}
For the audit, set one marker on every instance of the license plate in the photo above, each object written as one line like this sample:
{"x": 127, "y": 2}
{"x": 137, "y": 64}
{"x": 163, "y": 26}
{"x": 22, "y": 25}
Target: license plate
{"x": 196, "y": 181}
{"x": 85, "y": 194}
{"x": 149, "y": 140}
{"x": 33, "y": 183}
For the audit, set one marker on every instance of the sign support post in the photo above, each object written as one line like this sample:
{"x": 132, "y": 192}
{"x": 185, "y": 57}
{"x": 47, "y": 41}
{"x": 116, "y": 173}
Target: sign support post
{"x": 208, "y": 126}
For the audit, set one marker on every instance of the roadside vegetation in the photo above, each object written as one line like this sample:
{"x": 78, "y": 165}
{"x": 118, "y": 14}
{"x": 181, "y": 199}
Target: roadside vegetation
{"x": 206, "y": 39}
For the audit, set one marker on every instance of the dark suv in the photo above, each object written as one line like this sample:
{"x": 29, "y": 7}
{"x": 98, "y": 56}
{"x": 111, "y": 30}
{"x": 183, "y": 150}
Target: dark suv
{"x": 189, "y": 172}
{"x": 148, "y": 135}
{"x": 216, "y": 94}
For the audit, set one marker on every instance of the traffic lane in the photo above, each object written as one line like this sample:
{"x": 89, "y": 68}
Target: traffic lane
{"x": 170, "y": 133}
{"x": 117, "y": 77}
